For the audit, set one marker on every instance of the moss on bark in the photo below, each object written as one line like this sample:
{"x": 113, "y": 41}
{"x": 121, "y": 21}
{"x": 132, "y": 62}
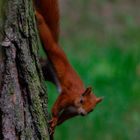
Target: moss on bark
{"x": 23, "y": 98}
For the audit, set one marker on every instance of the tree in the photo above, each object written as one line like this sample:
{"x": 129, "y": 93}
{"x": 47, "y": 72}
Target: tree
{"x": 23, "y": 98}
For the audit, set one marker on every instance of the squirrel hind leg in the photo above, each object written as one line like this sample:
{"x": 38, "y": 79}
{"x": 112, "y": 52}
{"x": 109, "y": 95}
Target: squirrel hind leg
{"x": 49, "y": 73}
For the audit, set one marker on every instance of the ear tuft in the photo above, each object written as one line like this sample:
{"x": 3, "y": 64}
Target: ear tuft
{"x": 87, "y": 91}
{"x": 98, "y": 100}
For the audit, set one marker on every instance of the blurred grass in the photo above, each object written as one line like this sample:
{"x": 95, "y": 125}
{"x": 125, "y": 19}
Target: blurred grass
{"x": 114, "y": 70}
{"x": 108, "y": 59}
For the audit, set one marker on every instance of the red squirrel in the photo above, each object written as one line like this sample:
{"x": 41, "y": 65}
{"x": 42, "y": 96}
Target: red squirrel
{"x": 74, "y": 98}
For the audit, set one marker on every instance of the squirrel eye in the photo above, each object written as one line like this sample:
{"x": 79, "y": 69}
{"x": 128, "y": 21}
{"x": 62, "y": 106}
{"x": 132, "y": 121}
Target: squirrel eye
{"x": 81, "y": 101}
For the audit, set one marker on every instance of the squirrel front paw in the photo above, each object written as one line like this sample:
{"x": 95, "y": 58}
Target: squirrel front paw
{"x": 52, "y": 123}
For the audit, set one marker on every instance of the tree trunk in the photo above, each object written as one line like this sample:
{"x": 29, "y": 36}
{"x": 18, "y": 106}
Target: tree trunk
{"x": 23, "y": 99}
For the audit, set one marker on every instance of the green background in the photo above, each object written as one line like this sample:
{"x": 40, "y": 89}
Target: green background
{"x": 102, "y": 41}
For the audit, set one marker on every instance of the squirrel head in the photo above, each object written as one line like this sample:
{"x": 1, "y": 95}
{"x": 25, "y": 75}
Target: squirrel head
{"x": 87, "y": 102}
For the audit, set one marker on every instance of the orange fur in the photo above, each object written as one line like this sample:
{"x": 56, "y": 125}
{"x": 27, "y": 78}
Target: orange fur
{"x": 50, "y": 12}
{"x": 74, "y": 99}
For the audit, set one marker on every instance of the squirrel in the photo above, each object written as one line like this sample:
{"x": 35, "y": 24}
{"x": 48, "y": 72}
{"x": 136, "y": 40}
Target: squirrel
{"x": 74, "y": 98}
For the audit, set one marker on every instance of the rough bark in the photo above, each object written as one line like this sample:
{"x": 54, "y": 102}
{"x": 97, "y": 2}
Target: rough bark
{"x": 23, "y": 99}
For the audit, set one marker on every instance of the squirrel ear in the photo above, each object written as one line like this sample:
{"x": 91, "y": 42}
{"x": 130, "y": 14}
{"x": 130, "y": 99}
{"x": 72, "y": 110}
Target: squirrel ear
{"x": 98, "y": 100}
{"x": 87, "y": 91}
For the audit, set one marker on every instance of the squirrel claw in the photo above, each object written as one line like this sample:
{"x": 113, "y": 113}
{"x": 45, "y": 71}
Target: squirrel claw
{"x": 51, "y": 131}
{"x": 52, "y": 123}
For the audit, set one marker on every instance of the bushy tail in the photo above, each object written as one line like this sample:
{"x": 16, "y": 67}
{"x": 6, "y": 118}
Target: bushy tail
{"x": 50, "y": 11}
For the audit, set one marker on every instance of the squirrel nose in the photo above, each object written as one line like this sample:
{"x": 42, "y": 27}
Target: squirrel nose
{"x": 82, "y": 114}
{"x": 82, "y": 111}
